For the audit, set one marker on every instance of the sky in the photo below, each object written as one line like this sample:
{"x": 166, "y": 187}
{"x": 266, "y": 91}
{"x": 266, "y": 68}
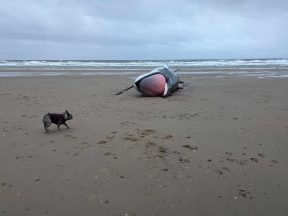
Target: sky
{"x": 143, "y": 29}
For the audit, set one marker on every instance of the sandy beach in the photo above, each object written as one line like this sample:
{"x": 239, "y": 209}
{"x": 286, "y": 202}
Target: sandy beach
{"x": 218, "y": 147}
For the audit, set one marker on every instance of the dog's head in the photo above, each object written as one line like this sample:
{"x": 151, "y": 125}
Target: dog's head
{"x": 67, "y": 115}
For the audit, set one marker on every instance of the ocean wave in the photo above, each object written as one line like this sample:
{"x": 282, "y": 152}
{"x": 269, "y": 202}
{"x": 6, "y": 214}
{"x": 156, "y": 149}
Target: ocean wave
{"x": 146, "y": 63}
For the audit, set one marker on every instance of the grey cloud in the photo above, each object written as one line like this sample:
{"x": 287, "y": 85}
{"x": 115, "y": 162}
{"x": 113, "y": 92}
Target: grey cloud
{"x": 143, "y": 29}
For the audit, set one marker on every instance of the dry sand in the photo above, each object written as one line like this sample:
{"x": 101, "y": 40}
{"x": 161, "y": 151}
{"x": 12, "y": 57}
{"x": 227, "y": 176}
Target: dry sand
{"x": 219, "y": 147}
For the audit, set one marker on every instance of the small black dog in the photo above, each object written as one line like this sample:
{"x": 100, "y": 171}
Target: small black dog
{"x": 57, "y": 119}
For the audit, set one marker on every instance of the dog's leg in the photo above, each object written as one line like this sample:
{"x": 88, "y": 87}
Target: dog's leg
{"x": 46, "y": 125}
{"x": 47, "y": 122}
{"x": 66, "y": 125}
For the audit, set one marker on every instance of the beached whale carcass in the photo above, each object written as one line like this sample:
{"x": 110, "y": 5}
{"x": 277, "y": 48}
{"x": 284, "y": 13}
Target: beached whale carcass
{"x": 161, "y": 81}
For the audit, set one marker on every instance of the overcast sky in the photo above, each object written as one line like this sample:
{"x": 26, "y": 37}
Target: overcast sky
{"x": 143, "y": 29}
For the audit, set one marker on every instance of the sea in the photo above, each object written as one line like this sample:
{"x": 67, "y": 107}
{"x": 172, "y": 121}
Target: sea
{"x": 260, "y": 68}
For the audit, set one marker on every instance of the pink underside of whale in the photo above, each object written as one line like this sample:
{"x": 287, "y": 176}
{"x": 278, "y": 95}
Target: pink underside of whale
{"x": 153, "y": 85}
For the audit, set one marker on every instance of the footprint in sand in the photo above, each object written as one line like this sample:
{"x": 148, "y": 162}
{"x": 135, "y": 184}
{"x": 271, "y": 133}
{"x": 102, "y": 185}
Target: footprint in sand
{"x": 273, "y": 162}
{"x": 222, "y": 170}
{"x": 130, "y": 137}
{"x": 245, "y": 194}
{"x": 24, "y": 158}
{"x": 109, "y": 138}
{"x": 254, "y": 160}
{"x": 146, "y": 132}
{"x": 193, "y": 148}
{"x": 184, "y": 160}
{"x": 163, "y": 150}
{"x": 110, "y": 154}
{"x": 169, "y": 136}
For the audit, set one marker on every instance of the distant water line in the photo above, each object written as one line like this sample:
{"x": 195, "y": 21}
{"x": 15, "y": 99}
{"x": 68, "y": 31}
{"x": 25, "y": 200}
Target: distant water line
{"x": 126, "y": 64}
{"x": 261, "y": 68}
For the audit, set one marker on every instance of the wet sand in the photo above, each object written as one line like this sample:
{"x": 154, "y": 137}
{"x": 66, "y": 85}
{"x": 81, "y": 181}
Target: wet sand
{"x": 218, "y": 147}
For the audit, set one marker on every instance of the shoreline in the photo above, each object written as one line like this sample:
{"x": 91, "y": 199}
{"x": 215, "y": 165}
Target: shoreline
{"x": 17, "y": 72}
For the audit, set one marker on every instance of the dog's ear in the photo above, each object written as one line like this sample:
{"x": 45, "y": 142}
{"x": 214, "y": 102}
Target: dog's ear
{"x": 69, "y": 115}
